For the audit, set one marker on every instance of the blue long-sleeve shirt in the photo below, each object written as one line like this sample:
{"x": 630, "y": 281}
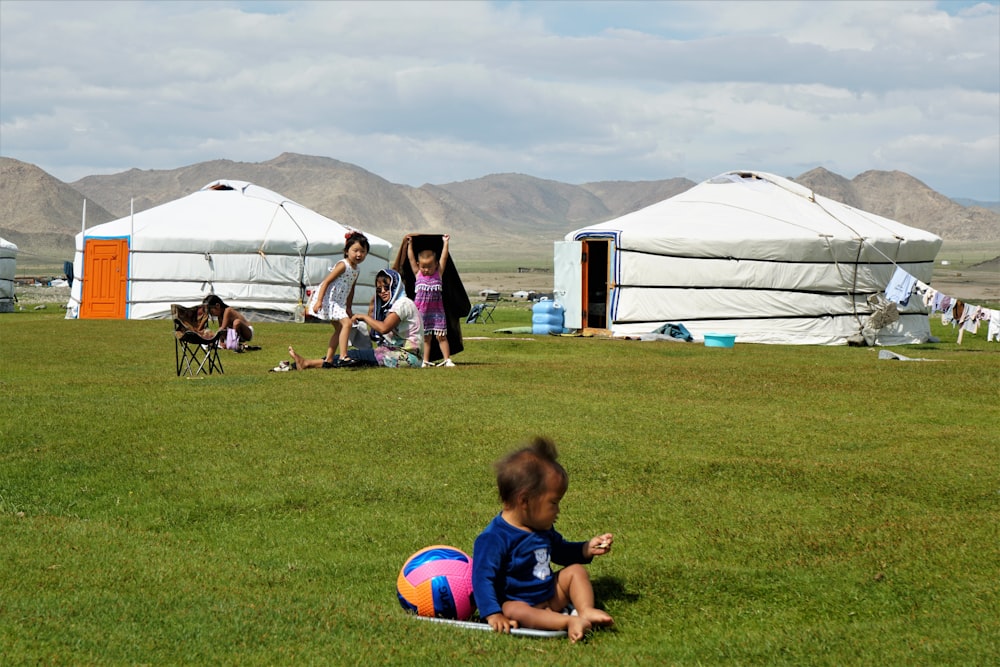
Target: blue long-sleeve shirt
{"x": 513, "y": 564}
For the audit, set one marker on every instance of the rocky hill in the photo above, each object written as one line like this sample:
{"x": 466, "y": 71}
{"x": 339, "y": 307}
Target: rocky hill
{"x": 41, "y": 214}
{"x": 510, "y": 215}
{"x": 899, "y": 196}
{"x": 506, "y": 213}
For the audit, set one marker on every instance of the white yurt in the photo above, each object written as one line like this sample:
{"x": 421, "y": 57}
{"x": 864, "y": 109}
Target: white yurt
{"x": 748, "y": 254}
{"x": 8, "y": 269}
{"x": 257, "y": 250}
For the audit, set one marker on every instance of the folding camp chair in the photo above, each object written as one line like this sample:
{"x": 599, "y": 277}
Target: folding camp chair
{"x": 475, "y": 313}
{"x": 484, "y": 309}
{"x": 193, "y": 352}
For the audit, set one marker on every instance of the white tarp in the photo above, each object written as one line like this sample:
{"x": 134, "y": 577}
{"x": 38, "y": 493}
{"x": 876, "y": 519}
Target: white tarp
{"x": 759, "y": 256}
{"x": 8, "y": 269}
{"x": 252, "y": 247}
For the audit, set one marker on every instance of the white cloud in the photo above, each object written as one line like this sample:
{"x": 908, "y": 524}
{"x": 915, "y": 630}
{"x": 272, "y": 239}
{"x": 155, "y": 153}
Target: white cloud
{"x": 435, "y": 92}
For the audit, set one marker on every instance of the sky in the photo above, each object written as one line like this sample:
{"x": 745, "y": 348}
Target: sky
{"x": 437, "y": 92}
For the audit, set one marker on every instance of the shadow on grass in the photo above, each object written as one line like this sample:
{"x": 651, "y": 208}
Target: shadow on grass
{"x": 937, "y": 348}
{"x": 612, "y": 588}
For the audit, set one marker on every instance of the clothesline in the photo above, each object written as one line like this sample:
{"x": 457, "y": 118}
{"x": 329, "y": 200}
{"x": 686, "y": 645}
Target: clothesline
{"x": 965, "y": 316}
{"x": 953, "y": 311}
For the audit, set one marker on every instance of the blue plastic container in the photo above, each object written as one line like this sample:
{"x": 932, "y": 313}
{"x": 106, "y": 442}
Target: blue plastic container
{"x": 719, "y": 340}
{"x": 547, "y": 317}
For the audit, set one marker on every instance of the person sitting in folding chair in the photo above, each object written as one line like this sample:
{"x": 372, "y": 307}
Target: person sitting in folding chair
{"x": 195, "y": 350}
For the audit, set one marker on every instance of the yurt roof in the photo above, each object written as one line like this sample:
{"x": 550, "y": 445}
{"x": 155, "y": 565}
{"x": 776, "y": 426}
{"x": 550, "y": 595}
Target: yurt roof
{"x": 232, "y": 216}
{"x": 752, "y": 215}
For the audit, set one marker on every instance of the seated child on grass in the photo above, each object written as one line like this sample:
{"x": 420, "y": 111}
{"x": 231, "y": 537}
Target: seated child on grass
{"x": 512, "y": 578}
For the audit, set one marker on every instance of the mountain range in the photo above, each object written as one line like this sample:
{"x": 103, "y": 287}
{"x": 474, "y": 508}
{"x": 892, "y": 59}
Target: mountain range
{"x": 499, "y": 216}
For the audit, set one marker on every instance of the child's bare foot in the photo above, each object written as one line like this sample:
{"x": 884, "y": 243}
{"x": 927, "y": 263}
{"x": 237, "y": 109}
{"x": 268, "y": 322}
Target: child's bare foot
{"x": 297, "y": 358}
{"x": 577, "y": 627}
{"x": 596, "y": 616}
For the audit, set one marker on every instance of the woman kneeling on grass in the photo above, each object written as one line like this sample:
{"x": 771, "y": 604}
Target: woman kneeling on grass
{"x": 396, "y": 329}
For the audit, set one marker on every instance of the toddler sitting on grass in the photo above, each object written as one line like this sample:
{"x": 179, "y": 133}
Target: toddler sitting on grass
{"x": 512, "y": 578}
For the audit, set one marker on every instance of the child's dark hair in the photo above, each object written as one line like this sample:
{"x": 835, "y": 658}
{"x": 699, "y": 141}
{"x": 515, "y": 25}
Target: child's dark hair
{"x": 210, "y": 302}
{"x": 524, "y": 471}
{"x": 213, "y": 300}
{"x": 350, "y": 238}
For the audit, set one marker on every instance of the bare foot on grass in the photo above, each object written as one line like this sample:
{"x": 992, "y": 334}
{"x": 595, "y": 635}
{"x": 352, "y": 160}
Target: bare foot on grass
{"x": 577, "y": 627}
{"x": 596, "y": 616}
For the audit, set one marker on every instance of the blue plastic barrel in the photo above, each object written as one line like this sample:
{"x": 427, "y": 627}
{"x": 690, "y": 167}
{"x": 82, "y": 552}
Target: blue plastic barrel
{"x": 546, "y": 318}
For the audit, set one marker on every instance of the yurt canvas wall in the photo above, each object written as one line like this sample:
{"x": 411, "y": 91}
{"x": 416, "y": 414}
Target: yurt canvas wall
{"x": 252, "y": 247}
{"x": 8, "y": 269}
{"x": 745, "y": 253}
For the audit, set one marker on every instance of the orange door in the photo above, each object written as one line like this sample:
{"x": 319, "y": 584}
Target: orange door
{"x": 105, "y": 279}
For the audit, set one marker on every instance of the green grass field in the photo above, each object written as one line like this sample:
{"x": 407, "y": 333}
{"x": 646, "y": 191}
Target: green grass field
{"x": 771, "y": 505}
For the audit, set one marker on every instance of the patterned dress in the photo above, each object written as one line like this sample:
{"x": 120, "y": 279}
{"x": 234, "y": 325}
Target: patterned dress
{"x": 334, "y": 306}
{"x": 430, "y": 303}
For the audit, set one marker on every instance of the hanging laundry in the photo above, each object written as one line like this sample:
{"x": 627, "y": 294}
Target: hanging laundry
{"x": 963, "y": 316}
{"x": 994, "y": 331}
{"x": 970, "y": 320}
{"x": 939, "y": 300}
{"x": 930, "y": 295}
{"x": 900, "y": 287}
{"x": 948, "y": 314}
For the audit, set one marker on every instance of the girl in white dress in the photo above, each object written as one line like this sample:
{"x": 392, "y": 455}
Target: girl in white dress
{"x": 333, "y": 298}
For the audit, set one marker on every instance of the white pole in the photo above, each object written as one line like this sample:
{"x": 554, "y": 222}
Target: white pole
{"x": 78, "y": 270}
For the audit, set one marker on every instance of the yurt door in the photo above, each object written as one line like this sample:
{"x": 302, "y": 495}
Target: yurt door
{"x": 581, "y": 282}
{"x": 567, "y": 282}
{"x": 105, "y": 279}
{"x": 595, "y": 283}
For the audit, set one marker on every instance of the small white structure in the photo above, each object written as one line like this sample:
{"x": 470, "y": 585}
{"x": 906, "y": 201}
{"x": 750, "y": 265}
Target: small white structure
{"x": 745, "y": 253}
{"x": 258, "y": 251}
{"x": 8, "y": 269}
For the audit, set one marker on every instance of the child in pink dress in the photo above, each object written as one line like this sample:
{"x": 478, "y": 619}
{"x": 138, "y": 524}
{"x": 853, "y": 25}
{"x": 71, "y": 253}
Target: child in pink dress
{"x": 427, "y": 270}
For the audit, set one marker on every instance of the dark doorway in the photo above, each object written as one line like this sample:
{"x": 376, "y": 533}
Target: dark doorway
{"x": 595, "y": 292}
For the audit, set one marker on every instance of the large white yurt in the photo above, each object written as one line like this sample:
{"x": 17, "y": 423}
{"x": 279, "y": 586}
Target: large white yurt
{"x": 745, "y": 253}
{"x": 254, "y": 248}
{"x": 8, "y": 269}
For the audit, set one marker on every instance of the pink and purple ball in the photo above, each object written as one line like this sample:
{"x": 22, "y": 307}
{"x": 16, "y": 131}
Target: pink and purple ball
{"x": 437, "y": 581}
